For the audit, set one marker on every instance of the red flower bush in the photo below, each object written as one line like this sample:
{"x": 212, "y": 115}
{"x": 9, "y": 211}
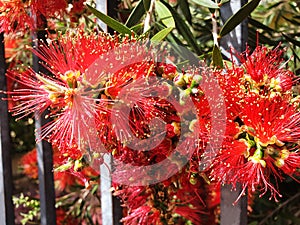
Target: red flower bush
{"x": 171, "y": 133}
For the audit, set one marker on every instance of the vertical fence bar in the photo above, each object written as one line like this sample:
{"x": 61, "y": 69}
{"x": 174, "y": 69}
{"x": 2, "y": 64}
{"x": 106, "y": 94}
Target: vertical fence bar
{"x": 6, "y": 185}
{"x": 233, "y": 214}
{"x": 110, "y": 206}
{"x": 237, "y": 38}
{"x": 44, "y": 153}
{"x": 46, "y": 183}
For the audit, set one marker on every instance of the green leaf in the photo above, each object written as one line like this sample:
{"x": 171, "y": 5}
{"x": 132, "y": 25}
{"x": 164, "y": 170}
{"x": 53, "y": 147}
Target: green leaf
{"x": 295, "y": 53}
{"x": 253, "y": 223}
{"x": 138, "y": 27}
{"x": 206, "y": 3}
{"x": 217, "y": 60}
{"x": 263, "y": 39}
{"x": 222, "y": 2}
{"x": 260, "y": 25}
{"x": 238, "y": 17}
{"x": 112, "y": 23}
{"x": 136, "y": 14}
{"x": 184, "y": 30}
{"x": 175, "y": 43}
{"x": 164, "y": 14}
{"x": 161, "y": 34}
{"x": 292, "y": 40}
{"x": 184, "y": 6}
{"x": 147, "y": 4}
{"x": 292, "y": 21}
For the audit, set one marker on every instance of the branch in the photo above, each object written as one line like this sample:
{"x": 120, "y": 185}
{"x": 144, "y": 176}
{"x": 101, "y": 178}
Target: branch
{"x": 279, "y": 207}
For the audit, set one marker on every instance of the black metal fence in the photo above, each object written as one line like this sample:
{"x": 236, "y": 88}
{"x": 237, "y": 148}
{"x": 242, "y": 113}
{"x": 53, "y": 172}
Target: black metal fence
{"x": 230, "y": 215}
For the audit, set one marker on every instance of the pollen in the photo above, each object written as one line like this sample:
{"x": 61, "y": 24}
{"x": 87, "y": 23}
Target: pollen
{"x": 69, "y": 96}
{"x": 255, "y": 159}
{"x": 71, "y": 78}
{"x": 53, "y": 97}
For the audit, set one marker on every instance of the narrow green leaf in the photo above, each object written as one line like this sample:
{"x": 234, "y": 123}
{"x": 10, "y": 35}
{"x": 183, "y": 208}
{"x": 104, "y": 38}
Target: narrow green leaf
{"x": 112, "y": 23}
{"x": 184, "y": 6}
{"x": 222, "y": 2}
{"x": 137, "y": 28}
{"x": 185, "y": 56}
{"x": 175, "y": 42}
{"x": 217, "y": 60}
{"x": 292, "y": 40}
{"x": 292, "y": 21}
{"x": 161, "y": 34}
{"x": 238, "y": 17}
{"x": 260, "y": 25}
{"x": 136, "y": 14}
{"x": 295, "y": 53}
{"x": 276, "y": 4}
{"x": 263, "y": 39}
{"x": 184, "y": 30}
{"x": 206, "y": 3}
{"x": 164, "y": 14}
{"x": 146, "y": 4}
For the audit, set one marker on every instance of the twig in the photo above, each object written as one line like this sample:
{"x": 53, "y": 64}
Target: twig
{"x": 215, "y": 28}
{"x": 147, "y": 22}
{"x": 278, "y": 208}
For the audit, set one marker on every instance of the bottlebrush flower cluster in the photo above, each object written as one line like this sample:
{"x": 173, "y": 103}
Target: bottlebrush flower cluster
{"x": 17, "y": 16}
{"x": 262, "y": 137}
{"x": 110, "y": 95}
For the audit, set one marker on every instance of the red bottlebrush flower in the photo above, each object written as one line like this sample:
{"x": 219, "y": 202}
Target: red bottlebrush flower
{"x": 135, "y": 199}
{"x": 288, "y": 162}
{"x": 268, "y": 125}
{"x": 11, "y": 85}
{"x": 68, "y": 171}
{"x": 189, "y": 213}
{"x": 188, "y": 198}
{"x": 49, "y": 8}
{"x": 260, "y": 73}
{"x": 256, "y": 176}
{"x": 231, "y": 84}
{"x": 214, "y": 195}
{"x": 77, "y": 9}
{"x": 176, "y": 201}
{"x": 83, "y": 177}
{"x": 263, "y": 66}
{"x": 71, "y": 169}
{"x": 270, "y": 120}
{"x": 63, "y": 180}
{"x": 29, "y": 164}
{"x": 62, "y": 218}
{"x": 11, "y": 45}
{"x": 142, "y": 216}
{"x": 16, "y": 14}
{"x": 73, "y": 90}
{"x": 261, "y": 116}
{"x": 253, "y": 174}
{"x": 166, "y": 70}
{"x": 229, "y": 160}
{"x": 133, "y": 196}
